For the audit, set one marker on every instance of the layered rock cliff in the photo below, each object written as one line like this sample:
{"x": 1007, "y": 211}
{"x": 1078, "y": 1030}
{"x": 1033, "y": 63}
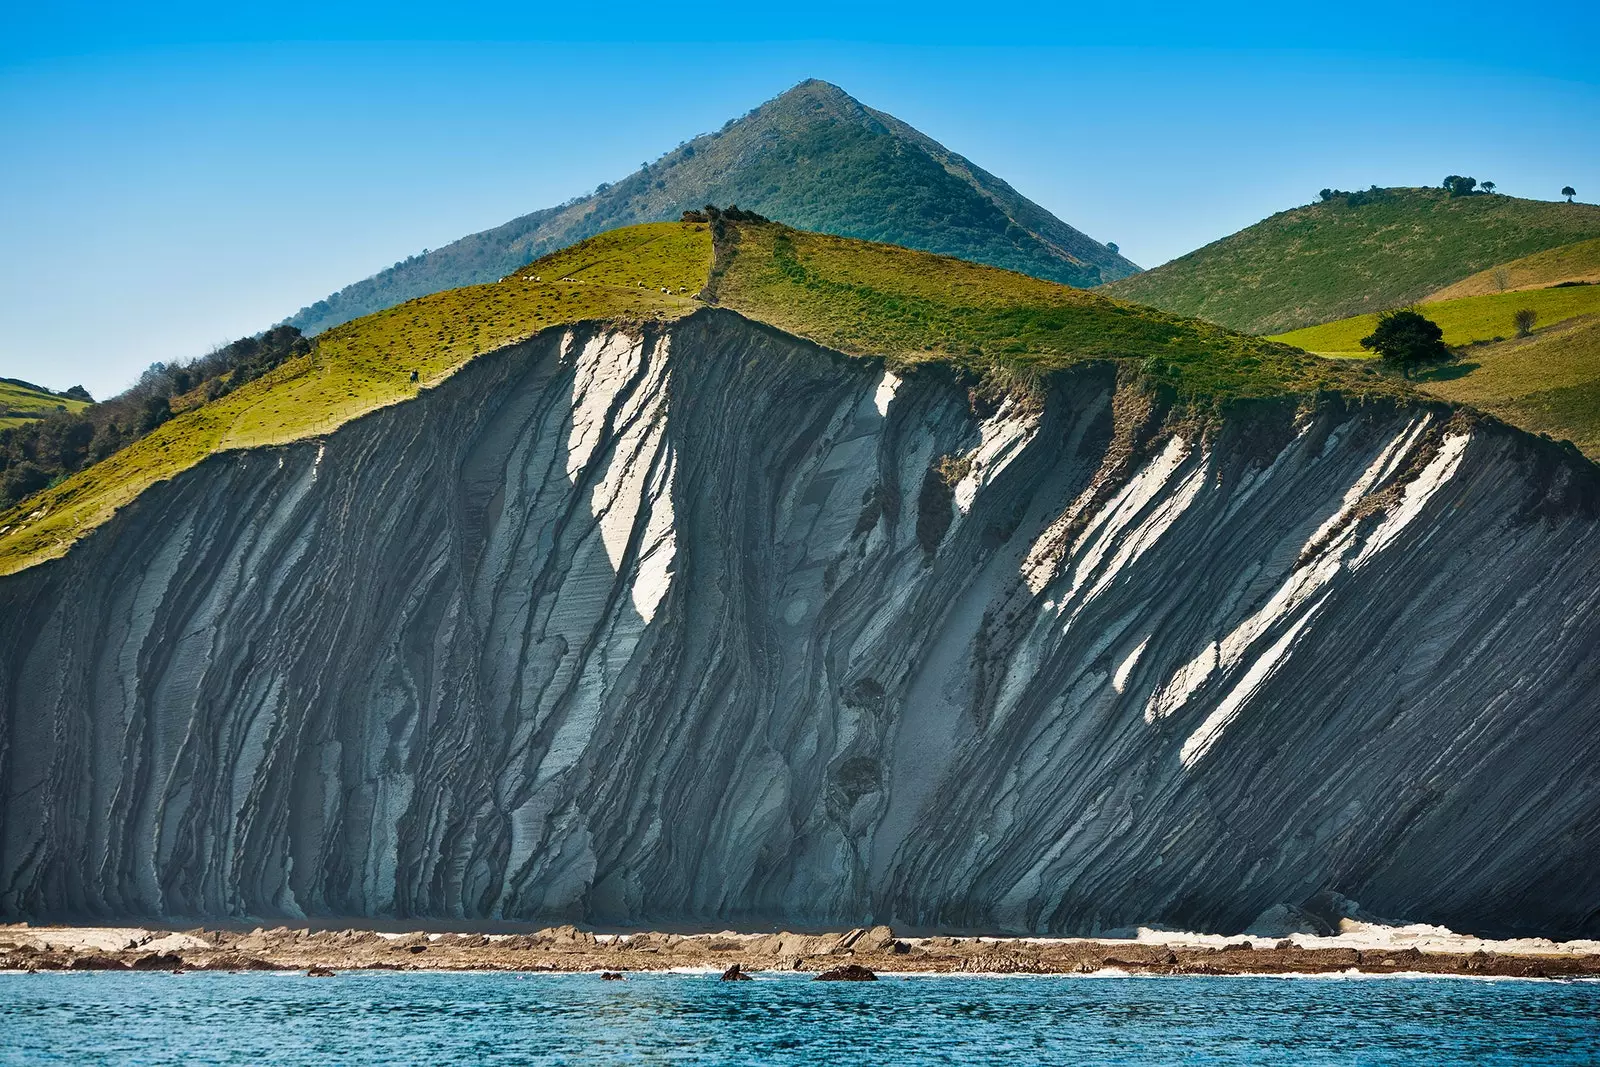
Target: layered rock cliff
{"x": 704, "y": 623}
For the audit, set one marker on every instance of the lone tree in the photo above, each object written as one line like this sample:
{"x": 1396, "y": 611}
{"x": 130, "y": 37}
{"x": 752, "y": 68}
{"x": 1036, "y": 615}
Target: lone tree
{"x": 1569, "y": 192}
{"x": 1487, "y": 187}
{"x": 1406, "y": 338}
{"x": 1457, "y": 185}
{"x": 1523, "y": 319}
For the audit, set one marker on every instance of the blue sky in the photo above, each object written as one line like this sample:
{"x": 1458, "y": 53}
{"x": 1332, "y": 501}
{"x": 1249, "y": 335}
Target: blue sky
{"x": 175, "y": 177}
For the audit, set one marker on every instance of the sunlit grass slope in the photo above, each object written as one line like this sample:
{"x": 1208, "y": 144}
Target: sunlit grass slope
{"x": 1547, "y": 383}
{"x": 363, "y": 365}
{"x": 1328, "y": 261}
{"x": 1473, "y": 318}
{"x": 20, "y": 404}
{"x": 1578, "y": 262}
{"x": 911, "y": 307}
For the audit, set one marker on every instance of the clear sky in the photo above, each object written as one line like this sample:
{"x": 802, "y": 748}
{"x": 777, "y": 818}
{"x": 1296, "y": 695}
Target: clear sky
{"x": 174, "y": 178}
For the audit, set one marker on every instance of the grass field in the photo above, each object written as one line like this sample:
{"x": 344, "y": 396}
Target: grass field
{"x": 1579, "y": 262}
{"x": 1547, "y": 383}
{"x": 1473, "y": 318}
{"x": 1329, "y": 261}
{"x": 19, "y": 404}
{"x": 367, "y": 364}
{"x": 912, "y": 307}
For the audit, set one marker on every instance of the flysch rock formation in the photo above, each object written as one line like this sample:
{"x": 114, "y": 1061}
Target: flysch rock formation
{"x": 702, "y": 623}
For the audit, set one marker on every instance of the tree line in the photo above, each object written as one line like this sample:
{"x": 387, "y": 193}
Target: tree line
{"x": 39, "y": 454}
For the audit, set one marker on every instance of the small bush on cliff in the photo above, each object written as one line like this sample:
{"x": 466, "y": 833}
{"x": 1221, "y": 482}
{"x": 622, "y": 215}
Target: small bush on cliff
{"x": 1406, "y": 338}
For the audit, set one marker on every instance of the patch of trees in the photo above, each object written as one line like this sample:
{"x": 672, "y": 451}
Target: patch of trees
{"x": 38, "y": 454}
{"x": 1460, "y": 185}
{"x": 77, "y": 392}
{"x": 1407, "y": 339}
{"x": 1357, "y": 197}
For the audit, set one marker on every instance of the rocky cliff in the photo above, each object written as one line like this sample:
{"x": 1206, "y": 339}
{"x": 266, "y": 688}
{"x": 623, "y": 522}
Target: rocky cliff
{"x": 704, "y": 623}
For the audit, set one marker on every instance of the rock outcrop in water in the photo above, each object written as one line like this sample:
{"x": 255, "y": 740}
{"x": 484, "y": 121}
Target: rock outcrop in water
{"x": 707, "y": 624}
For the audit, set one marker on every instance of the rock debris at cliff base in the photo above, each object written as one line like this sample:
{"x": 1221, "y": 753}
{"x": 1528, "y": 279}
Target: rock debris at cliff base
{"x": 734, "y": 956}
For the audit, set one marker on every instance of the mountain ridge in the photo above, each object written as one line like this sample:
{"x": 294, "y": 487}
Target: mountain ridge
{"x": 1352, "y": 254}
{"x": 813, "y": 157}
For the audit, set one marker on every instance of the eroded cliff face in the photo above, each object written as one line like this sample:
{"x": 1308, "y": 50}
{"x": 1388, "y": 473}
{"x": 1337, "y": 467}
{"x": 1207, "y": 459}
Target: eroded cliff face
{"x": 689, "y": 627}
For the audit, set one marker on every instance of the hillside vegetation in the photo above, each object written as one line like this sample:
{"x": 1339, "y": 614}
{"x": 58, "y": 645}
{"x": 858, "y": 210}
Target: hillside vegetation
{"x": 1579, "y": 262}
{"x": 813, "y": 157}
{"x": 1473, "y": 318}
{"x": 911, "y": 307}
{"x": 362, "y": 366}
{"x": 1331, "y": 260}
{"x": 875, "y": 300}
{"x": 24, "y": 402}
{"x": 1547, "y": 383}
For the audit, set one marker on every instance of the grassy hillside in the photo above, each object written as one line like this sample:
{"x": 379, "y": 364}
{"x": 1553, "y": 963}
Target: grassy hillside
{"x": 813, "y": 157}
{"x": 362, "y": 366}
{"x": 1578, "y": 262}
{"x": 21, "y": 402}
{"x": 1473, "y": 318}
{"x": 912, "y": 307}
{"x": 1547, "y": 383}
{"x": 1329, "y": 261}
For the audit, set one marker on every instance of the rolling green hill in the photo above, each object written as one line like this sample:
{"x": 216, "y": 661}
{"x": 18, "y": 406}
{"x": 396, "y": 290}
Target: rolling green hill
{"x": 813, "y": 157}
{"x": 912, "y": 307}
{"x": 1547, "y": 383}
{"x": 907, "y": 307}
{"x": 1469, "y": 319}
{"x": 1579, "y": 262}
{"x": 22, "y": 402}
{"x": 1331, "y": 260}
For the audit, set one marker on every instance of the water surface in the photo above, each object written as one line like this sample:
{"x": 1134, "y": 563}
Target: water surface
{"x": 435, "y": 1018}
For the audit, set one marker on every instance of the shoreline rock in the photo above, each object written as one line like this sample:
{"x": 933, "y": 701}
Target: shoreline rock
{"x": 733, "y": 956}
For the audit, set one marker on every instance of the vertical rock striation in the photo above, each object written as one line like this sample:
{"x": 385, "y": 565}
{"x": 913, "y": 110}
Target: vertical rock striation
{"x": 705, "y": 623}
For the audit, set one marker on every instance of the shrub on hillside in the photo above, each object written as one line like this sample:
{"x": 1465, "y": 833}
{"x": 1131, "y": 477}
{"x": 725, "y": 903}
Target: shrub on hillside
{"x": 1356, "y": 198}
{"x": 1523, "y": 319}
{"x": 1406, "y": 338}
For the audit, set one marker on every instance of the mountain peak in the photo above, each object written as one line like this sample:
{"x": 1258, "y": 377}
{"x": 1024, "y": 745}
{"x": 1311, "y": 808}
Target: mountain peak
{"x": 813, "y": 157}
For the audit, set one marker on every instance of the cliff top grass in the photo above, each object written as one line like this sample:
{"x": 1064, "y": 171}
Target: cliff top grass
{"x": 1577, "y": 262}
{"x": 1464, "y": 321}
{"x": 914, "y": 307}
{"x": 20, "y": 403}
{"x": 1331, "y": 260}
{"x": 864, "y": 299}
{"x": 1547, "y": 383}
{"x": 367, "y": 364}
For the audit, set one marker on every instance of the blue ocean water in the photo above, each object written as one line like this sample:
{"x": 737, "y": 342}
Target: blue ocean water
{"x": 434, "y": 1018}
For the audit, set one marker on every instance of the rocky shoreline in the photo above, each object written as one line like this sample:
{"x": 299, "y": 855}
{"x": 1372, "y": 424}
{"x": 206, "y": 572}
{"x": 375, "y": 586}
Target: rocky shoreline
{"x": 1358, "y": 948}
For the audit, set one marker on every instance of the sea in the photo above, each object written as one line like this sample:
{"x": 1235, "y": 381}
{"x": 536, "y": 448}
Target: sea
{"x": 493, "y": 1018}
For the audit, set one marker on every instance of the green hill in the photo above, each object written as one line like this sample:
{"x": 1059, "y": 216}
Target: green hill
{"x": 815, "y": 158}
{"x": 1464, "y": 321}
{"x": 1579, "y": 262}
{"x": 904, "y": 306}
{"x": 1335, "y": 259}
{"x": 22, "y": 402}
{"x": 1547, "y": 383}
